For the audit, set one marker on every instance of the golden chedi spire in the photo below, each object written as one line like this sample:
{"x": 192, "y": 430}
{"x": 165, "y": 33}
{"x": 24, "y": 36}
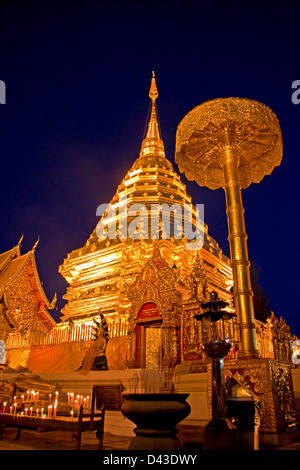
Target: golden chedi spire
{"x": 99, "y": 271}
{"x": 153, "y": 145}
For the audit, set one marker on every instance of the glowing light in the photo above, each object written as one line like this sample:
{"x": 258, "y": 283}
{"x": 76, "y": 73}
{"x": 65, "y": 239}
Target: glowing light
{"x": 135, "y": 172}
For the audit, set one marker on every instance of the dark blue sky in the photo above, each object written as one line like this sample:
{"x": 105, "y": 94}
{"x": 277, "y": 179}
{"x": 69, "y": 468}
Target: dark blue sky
{"x": 77, "y": 75}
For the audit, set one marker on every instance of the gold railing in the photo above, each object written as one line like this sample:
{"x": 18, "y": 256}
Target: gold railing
{"x": 60, "y": 334}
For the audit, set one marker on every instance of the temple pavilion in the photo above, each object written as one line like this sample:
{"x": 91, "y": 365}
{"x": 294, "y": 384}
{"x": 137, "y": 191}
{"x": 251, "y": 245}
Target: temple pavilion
{"x": 24, "y": 306}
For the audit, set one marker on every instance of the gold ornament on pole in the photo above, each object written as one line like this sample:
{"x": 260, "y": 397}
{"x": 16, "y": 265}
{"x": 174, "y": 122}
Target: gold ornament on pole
{"x": 231, "y": 143}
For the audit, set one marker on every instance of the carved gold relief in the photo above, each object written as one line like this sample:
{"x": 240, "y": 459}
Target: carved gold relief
{"x": 268, "y": 382}
{"x": 23, "y": 304}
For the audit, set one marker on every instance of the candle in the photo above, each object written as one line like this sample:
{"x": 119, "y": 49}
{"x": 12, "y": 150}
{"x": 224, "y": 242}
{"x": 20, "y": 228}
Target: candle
{"x": 27, "y": 395}
{"x": 15, "y": 408}
{"x": 87, "y": 401}
{"x": 68, "y": 398}
{"x": 32, "y": 394}
{"x": 55, "y": 409}
{"x": 22, "y": 398}
{"x": 72, "y": 414}
{"x": 50, "y": 411}
{"x": 31, "y": 411}
{"x": 72, "y": 398}
{"x": 25, "y": 411}
{"x": 37, "y": 413}
{"x": 4, "y": 405}
{"x": 42, "y": 412}
{"x": 37, "y": 396}
{"x": 10, "y": 409}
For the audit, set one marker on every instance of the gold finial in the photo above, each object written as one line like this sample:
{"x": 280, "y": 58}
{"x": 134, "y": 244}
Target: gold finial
{"x": 153, "y": 93}
{"x": 20, "y": 241}
{"x": 152, "y": 144}
{"x": 54, "y": 300}
{"x": 36, "y": 244}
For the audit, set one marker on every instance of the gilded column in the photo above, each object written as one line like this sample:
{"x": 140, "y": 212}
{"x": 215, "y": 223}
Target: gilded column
{"x": 237, "y": 237}
{"x": 231, "y": 143}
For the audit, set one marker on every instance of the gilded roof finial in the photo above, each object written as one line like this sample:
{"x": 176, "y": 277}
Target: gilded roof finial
{"x": 36, "y": 244}
{"x": 153, "y": 145}
{"x": 54, "y": 300}
{"x": 153, "y": 93}
{"x": 20, "y": 241}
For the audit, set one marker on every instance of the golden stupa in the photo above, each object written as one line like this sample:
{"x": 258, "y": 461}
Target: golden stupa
{"x": 100, "y": 272}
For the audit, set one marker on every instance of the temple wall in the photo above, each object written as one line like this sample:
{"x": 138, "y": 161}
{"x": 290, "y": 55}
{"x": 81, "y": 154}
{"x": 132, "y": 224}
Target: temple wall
{"x": 116, "y": 352}
{"x": 197, "y": 387}
{"x": 17, "y": 357}
{"x": 66, "y": 357}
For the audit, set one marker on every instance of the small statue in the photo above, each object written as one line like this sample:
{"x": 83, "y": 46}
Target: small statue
{"x": 100, "y": 361}
{"x": 95, "y": 358}
{"x": 274, "y": 322}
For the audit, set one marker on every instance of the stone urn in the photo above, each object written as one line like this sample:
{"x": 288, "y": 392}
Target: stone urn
{"x": 155, "y": 415}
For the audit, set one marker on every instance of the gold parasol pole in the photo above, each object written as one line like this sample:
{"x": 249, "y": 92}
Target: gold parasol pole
{"x": 237, "y": 237}
{"x": 231, "y": 143}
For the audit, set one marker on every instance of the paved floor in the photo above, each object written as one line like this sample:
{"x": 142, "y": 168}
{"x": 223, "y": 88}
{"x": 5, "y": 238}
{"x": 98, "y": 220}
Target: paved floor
{"x": 292, "y": 446}
{"x": 56, "y": 440}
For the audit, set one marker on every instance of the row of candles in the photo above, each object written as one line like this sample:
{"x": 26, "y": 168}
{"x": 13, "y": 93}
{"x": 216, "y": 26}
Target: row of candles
{"x": 31, "y": 412}
{"x": 33, "y": 398}
{"x": 78, "y": 400}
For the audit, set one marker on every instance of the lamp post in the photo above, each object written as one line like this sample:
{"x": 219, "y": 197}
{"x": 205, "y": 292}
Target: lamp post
{"x": 217, "y": 332}
{"x": 231, "y": 143}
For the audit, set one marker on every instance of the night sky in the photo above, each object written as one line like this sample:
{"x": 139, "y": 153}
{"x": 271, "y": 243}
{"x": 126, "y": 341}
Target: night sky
{"x": 77, "y": 77}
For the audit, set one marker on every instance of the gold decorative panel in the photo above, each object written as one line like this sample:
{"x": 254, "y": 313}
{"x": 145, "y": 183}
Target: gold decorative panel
{"x": 153, "y": 348}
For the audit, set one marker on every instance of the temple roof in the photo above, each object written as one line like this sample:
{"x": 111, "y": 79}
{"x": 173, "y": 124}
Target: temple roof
{"x": 12, "y": 266}
{"x": 13, "y": 269}
{"x": 9, "y": 255}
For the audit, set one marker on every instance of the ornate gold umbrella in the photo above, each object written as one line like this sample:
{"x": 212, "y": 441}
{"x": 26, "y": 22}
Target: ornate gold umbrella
{"x": 231, "y": 143}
